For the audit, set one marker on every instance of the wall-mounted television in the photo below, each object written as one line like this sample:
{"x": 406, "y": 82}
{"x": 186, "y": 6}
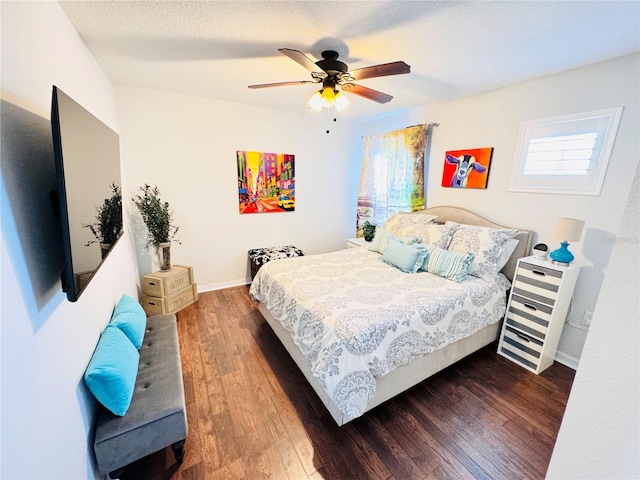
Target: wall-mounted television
{"x": 87, "y": 161}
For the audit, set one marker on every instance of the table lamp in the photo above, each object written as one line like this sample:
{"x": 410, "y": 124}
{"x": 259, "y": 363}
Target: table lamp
{"x": 567, "y": 230}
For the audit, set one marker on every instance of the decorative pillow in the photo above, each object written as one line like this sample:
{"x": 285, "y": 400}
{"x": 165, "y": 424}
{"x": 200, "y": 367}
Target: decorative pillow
{"x": 436, "y": 235}
{"x": 485, "y": 243}
{"x": 507, "y": 250}
{"x": 129, "y": 317}
{"x": 447, "y": 264}
{"x": 379, "y": 243}
{"x": 407, "y": 220}
{"x": 408, "y": 258}
{"x": 111, "y": 374}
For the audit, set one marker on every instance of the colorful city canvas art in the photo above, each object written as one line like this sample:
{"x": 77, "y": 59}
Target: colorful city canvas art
{"x": 467, "y": 168}
{"x": 266, "y": 182}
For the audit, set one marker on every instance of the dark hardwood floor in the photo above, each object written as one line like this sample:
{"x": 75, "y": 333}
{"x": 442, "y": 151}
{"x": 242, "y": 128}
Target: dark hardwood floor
{"x": 252, "y": 414}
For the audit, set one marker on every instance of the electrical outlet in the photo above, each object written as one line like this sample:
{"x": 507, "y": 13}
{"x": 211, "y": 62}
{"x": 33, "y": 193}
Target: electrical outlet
{"x": 586, "y": 318}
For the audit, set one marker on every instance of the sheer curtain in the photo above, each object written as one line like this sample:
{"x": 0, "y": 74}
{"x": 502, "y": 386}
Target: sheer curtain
{"x": 392, "y": 178}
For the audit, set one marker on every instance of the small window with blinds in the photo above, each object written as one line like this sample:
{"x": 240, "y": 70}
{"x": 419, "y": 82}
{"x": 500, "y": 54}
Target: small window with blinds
{"x": 565, "y": 154}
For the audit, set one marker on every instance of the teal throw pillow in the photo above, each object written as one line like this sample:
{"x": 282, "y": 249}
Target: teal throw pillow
{"x": 129, "y": 317}
{"x": 381, "y": 239}
{"x": 447, "y": 264}
{"x": 379, "y": 243}
{"x": 408, "y": 258}
{"x": 111, "y": 374}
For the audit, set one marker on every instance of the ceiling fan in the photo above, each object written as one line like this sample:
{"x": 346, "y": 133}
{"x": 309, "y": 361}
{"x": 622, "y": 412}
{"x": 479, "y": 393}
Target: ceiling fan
{"x": 332, "y": 73}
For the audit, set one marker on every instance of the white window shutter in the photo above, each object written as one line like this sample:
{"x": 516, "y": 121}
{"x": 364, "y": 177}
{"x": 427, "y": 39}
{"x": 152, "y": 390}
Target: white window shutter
{"x": 566, "y": 154}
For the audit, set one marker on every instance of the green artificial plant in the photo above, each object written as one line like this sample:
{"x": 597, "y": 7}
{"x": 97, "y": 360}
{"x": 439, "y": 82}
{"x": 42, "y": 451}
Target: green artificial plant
{"x": 108, "y": 226}
{"x": 157, "y": 216}
{"x": 368, "y": 231}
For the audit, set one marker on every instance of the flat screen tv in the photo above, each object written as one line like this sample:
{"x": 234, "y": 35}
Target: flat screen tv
{"x": 87, "y": 160}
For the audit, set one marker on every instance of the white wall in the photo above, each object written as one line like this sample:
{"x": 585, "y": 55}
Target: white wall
{"x": 599, "y": 436}
{"x": 493, "y": 120}
{"x": 46, "y": 412}
{"x": 187, "y": 147}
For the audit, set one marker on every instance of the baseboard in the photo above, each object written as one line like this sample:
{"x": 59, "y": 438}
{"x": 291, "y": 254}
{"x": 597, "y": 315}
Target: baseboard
{"x": 567, "y": 360}
{"x": 219, "y": 286}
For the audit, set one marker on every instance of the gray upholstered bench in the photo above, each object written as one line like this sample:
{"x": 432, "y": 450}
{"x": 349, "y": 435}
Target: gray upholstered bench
{"x": 157, "y": 416}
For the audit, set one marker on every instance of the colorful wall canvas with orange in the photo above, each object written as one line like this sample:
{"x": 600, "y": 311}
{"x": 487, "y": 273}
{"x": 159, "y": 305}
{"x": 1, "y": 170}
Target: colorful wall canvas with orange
{"x": 266, "y": 182}
{"x": 467, "y": 168}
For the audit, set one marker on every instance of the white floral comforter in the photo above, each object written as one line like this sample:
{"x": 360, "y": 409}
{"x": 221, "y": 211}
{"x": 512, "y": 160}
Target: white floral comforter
{"x": 355, "y": 318}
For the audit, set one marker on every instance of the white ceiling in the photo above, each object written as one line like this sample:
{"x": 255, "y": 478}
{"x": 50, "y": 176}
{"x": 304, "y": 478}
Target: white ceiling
{"x": 455, "y": 48}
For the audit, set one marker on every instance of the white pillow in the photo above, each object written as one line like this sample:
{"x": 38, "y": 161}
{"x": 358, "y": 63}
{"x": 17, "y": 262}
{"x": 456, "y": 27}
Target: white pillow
{"x": 507, "y": 250}
{"x": 403, "y": 224}
{"x": 435, "y": 234}
{"x": 485, "y": 242}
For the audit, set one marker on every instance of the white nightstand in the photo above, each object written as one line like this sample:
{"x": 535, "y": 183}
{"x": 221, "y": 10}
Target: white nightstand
{"x": 537, "y": 308}
{"x": 357, "y": 243}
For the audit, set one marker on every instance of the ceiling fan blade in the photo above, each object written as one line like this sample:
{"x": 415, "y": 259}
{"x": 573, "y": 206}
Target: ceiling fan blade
{"x": 367, "y": 93}
{"x": 281, "y": 84}
{"x": 301, "y": 58}
{"x": 382, "y": 70}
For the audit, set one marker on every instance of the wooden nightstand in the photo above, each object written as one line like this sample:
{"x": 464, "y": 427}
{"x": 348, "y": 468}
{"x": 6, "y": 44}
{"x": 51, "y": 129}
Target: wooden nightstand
{"x": 357, "y": 243}
{"x": 537, "y": 308}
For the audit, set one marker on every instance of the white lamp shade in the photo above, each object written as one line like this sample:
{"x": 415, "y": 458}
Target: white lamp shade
{"x": 328, "y": 97}
{"x": 315, "y": 102}
{"x": 341, "y": 101}
{"x": 569, "y": 229}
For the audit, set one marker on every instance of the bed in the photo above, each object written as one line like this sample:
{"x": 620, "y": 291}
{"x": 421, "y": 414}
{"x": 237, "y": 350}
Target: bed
{"x": 362, "y": 330}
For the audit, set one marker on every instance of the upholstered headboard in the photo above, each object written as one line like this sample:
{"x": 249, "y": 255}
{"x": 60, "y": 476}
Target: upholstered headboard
{"x": 460, "y": 215}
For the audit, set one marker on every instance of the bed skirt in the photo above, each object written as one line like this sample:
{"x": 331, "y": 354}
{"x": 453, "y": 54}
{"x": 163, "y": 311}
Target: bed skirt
{"x": 401, "y": 378}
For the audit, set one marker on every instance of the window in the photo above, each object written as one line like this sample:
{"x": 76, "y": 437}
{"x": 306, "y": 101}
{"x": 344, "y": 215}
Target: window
{"x": 566, "y": 154}
{"x": 392, "y": 177}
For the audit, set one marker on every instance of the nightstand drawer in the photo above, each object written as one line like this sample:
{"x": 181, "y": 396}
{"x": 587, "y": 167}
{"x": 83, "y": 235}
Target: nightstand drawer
{"x": 537, "y": 282}
{"x": 521, "y": 347}
{"x": 541, "y": 273}
{"x": 529, "y": 316}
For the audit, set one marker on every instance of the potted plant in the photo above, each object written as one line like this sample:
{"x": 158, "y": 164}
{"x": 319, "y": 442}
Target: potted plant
{"x": 368, "y": 231}
{"x": 108, "y": 226}
{"x": 158, "y": 218}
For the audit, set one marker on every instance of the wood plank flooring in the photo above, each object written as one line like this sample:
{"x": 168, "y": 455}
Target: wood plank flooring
{"x": 252, "y": 415}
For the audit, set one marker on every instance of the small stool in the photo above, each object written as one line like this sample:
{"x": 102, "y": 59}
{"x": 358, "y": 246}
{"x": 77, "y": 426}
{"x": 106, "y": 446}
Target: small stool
{"x": 260, "y": 256}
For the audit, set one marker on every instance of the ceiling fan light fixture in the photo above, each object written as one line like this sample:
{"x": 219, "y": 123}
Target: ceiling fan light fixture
{"x": 315, "y": 102}
{"x": 328, "y": 97}
{"x": 341, "y": 101}
{"x": 334, "y": 74}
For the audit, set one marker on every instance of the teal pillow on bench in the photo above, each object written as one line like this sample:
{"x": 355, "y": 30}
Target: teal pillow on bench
{"x": 129, "y": 317}
{"x": 112, "y": 370}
